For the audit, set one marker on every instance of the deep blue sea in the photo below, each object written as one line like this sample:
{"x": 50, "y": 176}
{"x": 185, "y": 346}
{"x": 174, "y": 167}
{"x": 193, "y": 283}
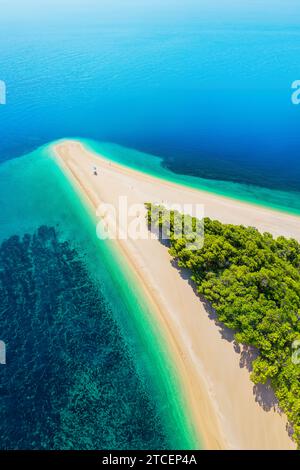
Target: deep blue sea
{"x": 207, "y": 88}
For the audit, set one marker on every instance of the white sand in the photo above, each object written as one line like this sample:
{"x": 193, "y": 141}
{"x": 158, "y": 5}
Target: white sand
{"x": 221, "y": 396}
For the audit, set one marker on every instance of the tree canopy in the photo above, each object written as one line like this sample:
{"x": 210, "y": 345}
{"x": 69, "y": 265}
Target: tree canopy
{"x": 252, "y": 281}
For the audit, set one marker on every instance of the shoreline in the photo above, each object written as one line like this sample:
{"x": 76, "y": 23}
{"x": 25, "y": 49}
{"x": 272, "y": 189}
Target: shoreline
{"x": 210, "y": 439}
{"x": 171, "y": 346}
{"x": 120, "y": 256}
{"x": 186, "y": 180}
{"x": 207, "y": 385}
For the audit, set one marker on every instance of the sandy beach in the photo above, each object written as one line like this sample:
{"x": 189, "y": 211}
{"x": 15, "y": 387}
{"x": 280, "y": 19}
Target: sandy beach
{"x": 228, "y": 411}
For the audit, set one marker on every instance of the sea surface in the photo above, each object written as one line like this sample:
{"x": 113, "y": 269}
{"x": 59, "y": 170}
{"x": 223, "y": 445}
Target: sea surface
{"x": 86, "y": 366}
{"x": 198, "y": 93}
{"x": 210, "y": 94}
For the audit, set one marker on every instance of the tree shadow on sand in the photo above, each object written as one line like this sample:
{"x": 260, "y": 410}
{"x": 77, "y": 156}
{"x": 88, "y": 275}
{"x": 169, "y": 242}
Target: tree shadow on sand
{"x": 263, "y": 393}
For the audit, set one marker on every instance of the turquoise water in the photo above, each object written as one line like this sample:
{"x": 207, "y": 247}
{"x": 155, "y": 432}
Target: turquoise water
{"x": 206, "y": 86}
{"x": 198, "y": 93}
{"x": 86, "y": 366}
{"x": 288, "y": 201}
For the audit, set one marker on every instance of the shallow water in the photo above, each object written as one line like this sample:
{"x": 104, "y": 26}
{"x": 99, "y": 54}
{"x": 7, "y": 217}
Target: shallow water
{"x": 86, "y": 366}
{"x": 210, "y": 94}
{"x": 205, "y": 99}
{"x": 288, "y": 201}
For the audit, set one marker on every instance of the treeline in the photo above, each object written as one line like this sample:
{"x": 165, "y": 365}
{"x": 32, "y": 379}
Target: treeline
{"x": 252, "y": 281}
